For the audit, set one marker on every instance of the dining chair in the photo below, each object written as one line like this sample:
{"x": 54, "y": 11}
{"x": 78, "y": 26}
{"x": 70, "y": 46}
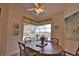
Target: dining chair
{"x": 54, "y": 40}
{"x": 23, "y": 50}
{"x": 76, "y": 54}
{"x": 27, "y": 39}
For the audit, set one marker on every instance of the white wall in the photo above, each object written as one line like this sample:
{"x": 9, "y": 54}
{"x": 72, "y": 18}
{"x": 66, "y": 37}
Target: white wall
{"x": 69, "y": 9}
{"x": 0, "y": 33}
{"x": 3, "y": 21}
{"x": 58, "y": 33}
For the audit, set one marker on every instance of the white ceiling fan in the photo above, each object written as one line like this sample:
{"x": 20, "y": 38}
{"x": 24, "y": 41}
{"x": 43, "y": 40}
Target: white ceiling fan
{"x": 39, "y": 8}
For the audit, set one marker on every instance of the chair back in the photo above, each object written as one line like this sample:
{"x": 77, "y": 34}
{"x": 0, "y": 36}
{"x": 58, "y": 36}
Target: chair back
{"x": 77, "y": 52}
{"x": 27, "y": 39}
{"x": 55, "y": 40}
{"x": 23, "y": 50}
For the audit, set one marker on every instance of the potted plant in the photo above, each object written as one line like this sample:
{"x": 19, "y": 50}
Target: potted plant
{"x": 42, "y": 38}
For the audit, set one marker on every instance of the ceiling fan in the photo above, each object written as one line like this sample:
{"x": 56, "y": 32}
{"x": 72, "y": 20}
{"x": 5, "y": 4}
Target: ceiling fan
{"x": 39, "y": 8}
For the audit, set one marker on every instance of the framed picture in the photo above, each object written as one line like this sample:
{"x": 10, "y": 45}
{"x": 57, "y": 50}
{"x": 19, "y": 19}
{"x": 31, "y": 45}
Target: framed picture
{"x": 72, "y": 27}
{"x": 15, "y": 32}
{"x": 15, "y": 29}
{"x": 16, "y": 26}
{"x": 57, "y": 27}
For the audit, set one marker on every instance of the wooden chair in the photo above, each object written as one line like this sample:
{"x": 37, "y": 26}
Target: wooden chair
{"x": 55, "y": 40}
{"x": 76, "y": 54}
{"x": 23, "y": 49}
{"x": 27, "y": 39}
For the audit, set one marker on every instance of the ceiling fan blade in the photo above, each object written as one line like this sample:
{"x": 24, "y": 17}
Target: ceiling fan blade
{"x": 31, "y": 9}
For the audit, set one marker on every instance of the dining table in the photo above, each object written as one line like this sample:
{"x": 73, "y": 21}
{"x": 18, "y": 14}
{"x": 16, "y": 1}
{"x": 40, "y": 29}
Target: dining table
{"x": 50, "y": 49}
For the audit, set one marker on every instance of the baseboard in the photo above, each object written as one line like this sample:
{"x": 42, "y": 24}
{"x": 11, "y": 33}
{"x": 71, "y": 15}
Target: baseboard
{"x": 11, "y": 53}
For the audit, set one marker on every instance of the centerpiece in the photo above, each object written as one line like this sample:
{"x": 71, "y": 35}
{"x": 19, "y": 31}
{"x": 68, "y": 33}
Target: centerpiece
{"x": 42, "y": 39}
{"x": 42, "y": 43}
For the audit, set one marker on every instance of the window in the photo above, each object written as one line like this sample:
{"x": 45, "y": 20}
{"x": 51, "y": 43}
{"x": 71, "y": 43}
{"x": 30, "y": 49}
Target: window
{"x": 44, "y": 30}
{"x": 33, "y": 30}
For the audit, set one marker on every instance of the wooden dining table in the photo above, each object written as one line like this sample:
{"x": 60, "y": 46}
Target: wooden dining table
{"x": 50, "y": 49}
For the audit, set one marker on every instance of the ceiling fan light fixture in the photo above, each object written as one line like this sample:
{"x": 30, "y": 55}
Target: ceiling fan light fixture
{"x": 39, "y": 10}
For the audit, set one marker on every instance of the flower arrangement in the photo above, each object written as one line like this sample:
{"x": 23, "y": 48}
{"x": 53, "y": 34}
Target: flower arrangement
{"x": 42, "y": 38}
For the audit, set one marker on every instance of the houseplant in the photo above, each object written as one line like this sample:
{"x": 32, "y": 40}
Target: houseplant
{"x": 42, "y": 39}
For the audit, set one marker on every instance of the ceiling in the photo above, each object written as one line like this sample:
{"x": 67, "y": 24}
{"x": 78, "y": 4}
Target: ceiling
{"x": 50, "y": 8}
